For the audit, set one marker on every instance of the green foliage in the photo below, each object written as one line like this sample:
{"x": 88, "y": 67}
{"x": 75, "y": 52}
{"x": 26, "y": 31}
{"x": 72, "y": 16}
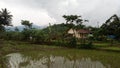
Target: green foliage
{"x": 72, "y": 43}
{"x": 70, "y": 18}
{"x": 26, "y": 33}
{"x": 73, "y": 18}
{"x": 86, "y": 45}
{"x": 57, "y": 31}
{"x": 11, "y": 35}
{"x": 38, "y": 36}
{"x": 57, "y": 34}
{"x": 5, "y": 18}
{"x": 80, "y": 26}
{"x": 27, "y": 24}
{"x": 60, "y": 43}
{"x": 2, "y": 28}
{"x": 111, "y": 27}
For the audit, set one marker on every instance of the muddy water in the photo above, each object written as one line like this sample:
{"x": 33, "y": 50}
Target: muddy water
{"x": 19, "y": 60}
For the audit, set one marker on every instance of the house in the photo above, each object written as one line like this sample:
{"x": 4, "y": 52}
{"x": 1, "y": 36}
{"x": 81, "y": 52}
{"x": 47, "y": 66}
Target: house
{"x": 80, "y": 34}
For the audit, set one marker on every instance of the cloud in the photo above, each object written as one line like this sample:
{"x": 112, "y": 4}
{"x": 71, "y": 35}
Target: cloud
{"x": 42, "y": 12}
{"x": 23, "y": 11}
{"x": 103, "y": 11}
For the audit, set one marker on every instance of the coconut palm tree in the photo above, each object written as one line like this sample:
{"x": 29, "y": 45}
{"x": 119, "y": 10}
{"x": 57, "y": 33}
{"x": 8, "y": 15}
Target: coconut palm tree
{"x": 5, "y": 17}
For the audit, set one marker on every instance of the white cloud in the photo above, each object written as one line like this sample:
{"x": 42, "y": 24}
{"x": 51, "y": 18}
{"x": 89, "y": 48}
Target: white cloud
{"x": 42, "y": 12}
{"x": 38, "y": 17}
{"x": 103, "y": 11}
{"x": 22, "y": 12}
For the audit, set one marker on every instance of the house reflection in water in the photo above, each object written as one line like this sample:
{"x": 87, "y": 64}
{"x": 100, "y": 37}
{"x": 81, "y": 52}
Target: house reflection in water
{"x": 17, "y": 60}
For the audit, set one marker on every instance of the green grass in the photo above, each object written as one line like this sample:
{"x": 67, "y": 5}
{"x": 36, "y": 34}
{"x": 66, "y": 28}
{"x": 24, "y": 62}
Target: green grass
{"x": 101, "y": 44}
{"x": 107, "y": 47}
{"x": 112, "y": 48}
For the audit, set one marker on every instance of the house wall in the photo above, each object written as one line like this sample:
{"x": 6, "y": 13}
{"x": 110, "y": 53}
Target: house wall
{"x": 70, "y": 31}
{"x": 77, "y": 35}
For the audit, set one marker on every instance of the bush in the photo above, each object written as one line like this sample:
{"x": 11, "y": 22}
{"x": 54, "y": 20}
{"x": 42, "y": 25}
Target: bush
{"x": 72, "y": 42}
{"x": 86, "y": 45}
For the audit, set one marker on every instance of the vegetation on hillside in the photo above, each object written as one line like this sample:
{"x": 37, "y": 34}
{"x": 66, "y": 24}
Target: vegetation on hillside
{"x": 57, "y": 34}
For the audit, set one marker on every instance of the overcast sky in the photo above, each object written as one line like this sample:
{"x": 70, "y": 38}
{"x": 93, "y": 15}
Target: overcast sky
{"x": 42, "y": 12}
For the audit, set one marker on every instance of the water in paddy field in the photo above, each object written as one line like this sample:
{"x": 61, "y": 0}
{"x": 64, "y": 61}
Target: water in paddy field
{"x": 18, "y": 60}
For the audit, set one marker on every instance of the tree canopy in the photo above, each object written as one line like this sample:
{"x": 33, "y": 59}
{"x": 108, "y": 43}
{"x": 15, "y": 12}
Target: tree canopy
{"x": 27, "y": 24}
{"x": 111, "y": 26}
{"x": 5, "y": 18}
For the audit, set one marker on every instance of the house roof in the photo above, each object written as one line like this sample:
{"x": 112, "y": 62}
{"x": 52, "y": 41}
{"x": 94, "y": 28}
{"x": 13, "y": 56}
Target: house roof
{"x": 83, "y": 31}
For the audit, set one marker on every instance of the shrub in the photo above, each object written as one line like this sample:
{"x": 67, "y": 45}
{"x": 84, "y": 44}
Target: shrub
{"x": 59, "y": 43}
{"x": 86, "y": 46}
{"x": 72, "y": 42}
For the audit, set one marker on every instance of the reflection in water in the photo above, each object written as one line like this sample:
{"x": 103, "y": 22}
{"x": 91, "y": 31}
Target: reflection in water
{"x": 17, "y": 60}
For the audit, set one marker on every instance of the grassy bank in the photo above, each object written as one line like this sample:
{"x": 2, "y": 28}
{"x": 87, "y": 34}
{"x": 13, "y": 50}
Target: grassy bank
{"x": 107, "y": 46}
{"x": 18, "y": 46}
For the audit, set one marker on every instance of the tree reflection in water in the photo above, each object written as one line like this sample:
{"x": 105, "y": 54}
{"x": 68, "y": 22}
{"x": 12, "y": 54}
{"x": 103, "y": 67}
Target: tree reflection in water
{"x": 17, "y": 60}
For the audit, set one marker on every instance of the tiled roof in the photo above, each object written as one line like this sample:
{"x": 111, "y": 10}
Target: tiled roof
{"x": 84, "y": 31}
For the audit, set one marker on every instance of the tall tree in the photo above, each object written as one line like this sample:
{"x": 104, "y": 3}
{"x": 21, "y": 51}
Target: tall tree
{"x": 111, "y": 27}
{"x": 74, "y": 19}
{"x": 5, "y": 18}
{"x": 27, "y": 24}
{"x": 71, "y": 18}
